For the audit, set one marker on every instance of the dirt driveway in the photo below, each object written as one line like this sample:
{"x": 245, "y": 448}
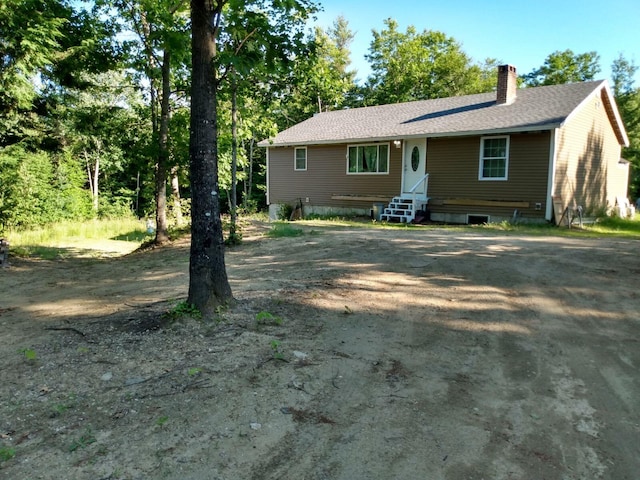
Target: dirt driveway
{"x": 352, "y": 354}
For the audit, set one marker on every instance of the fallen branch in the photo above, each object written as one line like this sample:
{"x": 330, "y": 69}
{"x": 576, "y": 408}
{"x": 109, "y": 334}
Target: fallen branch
{"x": 71, "y": 329}
{"x": 177, "y": 391}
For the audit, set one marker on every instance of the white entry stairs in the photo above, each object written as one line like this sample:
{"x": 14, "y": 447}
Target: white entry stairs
{"x": 400, "y": 210}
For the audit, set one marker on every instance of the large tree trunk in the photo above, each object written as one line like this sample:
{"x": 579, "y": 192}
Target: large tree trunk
{"x": 162, "y": 228}
{"x": 208, "y": 283}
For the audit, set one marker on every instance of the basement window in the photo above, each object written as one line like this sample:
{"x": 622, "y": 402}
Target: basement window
{"x": 494, "y": 158}
{"x": 477, "y": 219}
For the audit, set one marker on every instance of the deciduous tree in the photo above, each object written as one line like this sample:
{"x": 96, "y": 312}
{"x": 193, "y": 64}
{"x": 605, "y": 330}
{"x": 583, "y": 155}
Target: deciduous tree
{"x": 417, "y": 65}
{"x": 320, "y": 80}
{"x": 45, "y": 46}
{"x": 160, "y": 54}
{"x": 564, "y": 67}
{"x": 628, "y": 100}
{"x": 208, "y": 282}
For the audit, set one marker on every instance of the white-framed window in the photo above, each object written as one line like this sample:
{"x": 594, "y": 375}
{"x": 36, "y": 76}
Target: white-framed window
{"x": 300, "y": 158}
{"x": 368, "y": 159}
{"x": 494, "y": 158}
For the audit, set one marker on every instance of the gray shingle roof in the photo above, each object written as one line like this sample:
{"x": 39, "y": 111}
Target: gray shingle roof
{"x": 538, "y": 108}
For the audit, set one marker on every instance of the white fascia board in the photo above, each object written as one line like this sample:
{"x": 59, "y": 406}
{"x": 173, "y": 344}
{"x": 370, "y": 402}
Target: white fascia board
{"x": 553, "y": 157}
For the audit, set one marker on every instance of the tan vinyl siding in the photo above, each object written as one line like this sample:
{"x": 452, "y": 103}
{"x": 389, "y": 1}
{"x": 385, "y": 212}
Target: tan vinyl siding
{"x": 588, "y": 151}
{"x": 326, "y": 176}
{"x": 619, "y": 179}
{"x": 453, "y": 166}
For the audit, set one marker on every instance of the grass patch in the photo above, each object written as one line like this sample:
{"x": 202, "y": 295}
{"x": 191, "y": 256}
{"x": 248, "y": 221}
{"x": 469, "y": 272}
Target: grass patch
{"x": 29, "y": 354}
{"x": 353, "y": 222}
{"x": 280, "y": 230}
{"x": 606, "y": 226}
{"x": 91, "y": 238}
{"x": 6, "y": 454}
{"x": 184, "y": 309}
{"x": 83, "y": 441}
{"x": 617, "y": 226}
{"x": 267, "y": 318}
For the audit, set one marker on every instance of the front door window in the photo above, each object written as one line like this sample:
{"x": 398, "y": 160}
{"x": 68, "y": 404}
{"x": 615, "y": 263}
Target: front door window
{"x": 415, "y": 158}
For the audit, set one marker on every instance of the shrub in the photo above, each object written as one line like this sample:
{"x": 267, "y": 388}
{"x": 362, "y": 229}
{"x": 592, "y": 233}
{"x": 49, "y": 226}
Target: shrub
{"x": 285, "y": 211}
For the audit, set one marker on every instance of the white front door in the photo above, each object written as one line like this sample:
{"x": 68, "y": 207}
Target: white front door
{"x": 414, "y": 165}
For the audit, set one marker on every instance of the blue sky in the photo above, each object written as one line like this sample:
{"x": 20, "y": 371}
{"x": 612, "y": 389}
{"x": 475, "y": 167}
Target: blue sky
{"x": 520, "y": 33}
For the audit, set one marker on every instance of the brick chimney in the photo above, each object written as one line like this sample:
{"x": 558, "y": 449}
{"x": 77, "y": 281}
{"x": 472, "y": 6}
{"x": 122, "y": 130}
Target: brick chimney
{"x": 507, "y": 84}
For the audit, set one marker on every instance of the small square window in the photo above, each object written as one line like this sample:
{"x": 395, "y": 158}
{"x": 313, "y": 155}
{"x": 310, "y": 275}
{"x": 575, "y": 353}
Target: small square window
{"x": 300, "y": 158}
{"x": 494, "y": 158}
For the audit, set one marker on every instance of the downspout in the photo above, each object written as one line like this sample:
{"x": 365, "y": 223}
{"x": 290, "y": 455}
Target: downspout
{"x": 553, "y": 157}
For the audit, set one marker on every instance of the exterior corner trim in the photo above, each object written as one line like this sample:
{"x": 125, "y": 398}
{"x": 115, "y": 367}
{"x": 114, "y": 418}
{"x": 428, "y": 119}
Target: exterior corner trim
{"x": 551, "y": 179}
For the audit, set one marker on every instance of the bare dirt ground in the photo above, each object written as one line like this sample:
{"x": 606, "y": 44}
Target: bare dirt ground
{"x": 351, "y": 354}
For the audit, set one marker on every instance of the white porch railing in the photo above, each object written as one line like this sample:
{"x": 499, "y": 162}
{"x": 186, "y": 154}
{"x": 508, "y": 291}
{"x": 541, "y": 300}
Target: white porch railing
{"x": 424, "y": 180}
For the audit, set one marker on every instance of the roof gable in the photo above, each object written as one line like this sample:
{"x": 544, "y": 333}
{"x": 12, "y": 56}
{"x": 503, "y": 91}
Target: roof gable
{"x": 539, "y": 108}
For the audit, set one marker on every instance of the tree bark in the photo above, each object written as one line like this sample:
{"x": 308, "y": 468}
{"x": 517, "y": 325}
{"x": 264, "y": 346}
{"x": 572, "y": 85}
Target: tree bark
{"x": 93, "y": 174}
{"x": 175, "y": 197}
{"x": 249, "y": 181}
{"x": 234, "y": 159}
{"x": 162, "y": 228}
{"x": 208, "y": 283}
{"x": 96, "y": 178}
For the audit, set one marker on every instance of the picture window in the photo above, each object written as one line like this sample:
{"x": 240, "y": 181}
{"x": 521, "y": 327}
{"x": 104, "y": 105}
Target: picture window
{"x": 368, "y": 159}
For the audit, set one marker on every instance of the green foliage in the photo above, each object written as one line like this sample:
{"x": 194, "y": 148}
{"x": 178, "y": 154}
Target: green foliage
{"x": 275, "y": 350}
{"x": 83, "y": 441}
{"x": 234, "y": 238}
{"x": 114, "y": 207}
{"x": 249, "y": 207}
{"x": 73, "y": 201}
{"x": 565, "y": 67}
{"x": 280, "y": 230}
{"x": 267, "y": 318}
{"x": 622, "y": 74}
{"x": 6, "y": 454}
{"x": 184, "y": 309}
{"x": 617, "y": 226}
{"x": 29, "y": 354}
{"x": 54, "y": 41}
{"x": 60, "y": 408}
{"x": 51, "y": 242}
{"x": 321, "y": 79}
{"x": 34, "y": 190}
{"x": 628, "y": 100}
{"x": 604, "y": 226}
{"x": 160, "y": 422}
{"x": 30, "y": 34}
{"x": 416, "y": 66}
{"x": 285, "y": 211}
